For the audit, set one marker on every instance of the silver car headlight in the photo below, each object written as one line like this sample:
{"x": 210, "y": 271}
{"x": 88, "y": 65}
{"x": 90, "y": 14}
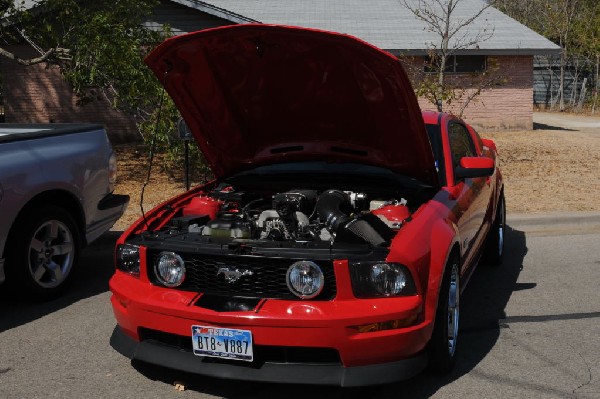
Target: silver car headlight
{"x": 128, "y": 259}
{"x": 381, "y": 279}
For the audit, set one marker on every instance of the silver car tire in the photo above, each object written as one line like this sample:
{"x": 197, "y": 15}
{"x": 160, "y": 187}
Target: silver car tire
{"x": 442, "y": 347}
{"x": 45, "y": 246}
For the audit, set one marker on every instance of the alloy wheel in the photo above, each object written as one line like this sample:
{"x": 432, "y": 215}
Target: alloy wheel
{"x": 453, "y": 309}
{"x": 51, "y": 253}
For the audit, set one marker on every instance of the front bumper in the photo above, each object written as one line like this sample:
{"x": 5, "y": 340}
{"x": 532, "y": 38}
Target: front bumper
{"x": 317, "y": 374}
{"x": 363, "y": 358}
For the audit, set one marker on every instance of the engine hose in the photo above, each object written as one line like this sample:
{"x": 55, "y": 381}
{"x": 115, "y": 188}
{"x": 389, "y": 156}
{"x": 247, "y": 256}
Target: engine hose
{"x": 366, "y": 228}
{"x": 329, "y": 207}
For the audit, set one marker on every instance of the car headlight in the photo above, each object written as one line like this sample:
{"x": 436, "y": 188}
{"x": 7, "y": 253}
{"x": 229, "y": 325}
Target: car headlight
{"x": 305, "y": 279}
{"x": 381, "y": 279}
{"x": 169, "y": 269}
{"x": 128, "y": 259}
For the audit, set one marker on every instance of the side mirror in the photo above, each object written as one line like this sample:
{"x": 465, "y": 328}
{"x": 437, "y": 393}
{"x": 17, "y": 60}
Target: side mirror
{"x": 471, "y": 167}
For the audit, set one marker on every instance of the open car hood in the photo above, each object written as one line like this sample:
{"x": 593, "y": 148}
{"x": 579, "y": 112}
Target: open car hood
{"x": 263, "y": 94}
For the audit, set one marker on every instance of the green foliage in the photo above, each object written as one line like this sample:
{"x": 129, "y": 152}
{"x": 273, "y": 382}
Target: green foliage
{"x": 99, "y": 46}
{"x": 104, "y": 43}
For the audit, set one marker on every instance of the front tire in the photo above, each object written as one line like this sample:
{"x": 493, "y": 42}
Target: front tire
{"x": 43, "y": 253}
{"x": 444, "y": 340}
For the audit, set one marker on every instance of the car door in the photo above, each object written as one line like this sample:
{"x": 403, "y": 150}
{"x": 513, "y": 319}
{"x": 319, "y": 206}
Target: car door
{"x": 471, "y": 193}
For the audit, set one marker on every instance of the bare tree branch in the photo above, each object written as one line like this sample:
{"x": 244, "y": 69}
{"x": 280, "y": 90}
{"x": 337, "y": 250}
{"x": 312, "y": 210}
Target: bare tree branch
{"x": 53, "y": 54}
{"x": 452, "y": 33}
{"x": 31, "y": 61}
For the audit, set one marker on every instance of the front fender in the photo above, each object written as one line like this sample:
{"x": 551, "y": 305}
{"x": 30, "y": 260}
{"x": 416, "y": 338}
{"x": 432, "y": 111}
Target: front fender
{"x": 444, "y": 238}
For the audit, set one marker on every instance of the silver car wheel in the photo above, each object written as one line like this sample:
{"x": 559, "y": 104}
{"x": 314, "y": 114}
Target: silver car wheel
{"x": 51, "y": 254}
{"x": 453, "y": 309}
{"x": 501, "y": 223}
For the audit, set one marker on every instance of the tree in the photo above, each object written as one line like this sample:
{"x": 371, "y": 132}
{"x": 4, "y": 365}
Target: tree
{"x": 99, "y": 47}
{"x": 560, "y": 16}
{"x": 587, "y": 33}
{"x": 452, "y": 34}
{"x": 572, "y": 24}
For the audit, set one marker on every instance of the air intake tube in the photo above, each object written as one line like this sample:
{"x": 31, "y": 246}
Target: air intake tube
{"x": 364, "y": 228}
{"x": 329, "y": 207}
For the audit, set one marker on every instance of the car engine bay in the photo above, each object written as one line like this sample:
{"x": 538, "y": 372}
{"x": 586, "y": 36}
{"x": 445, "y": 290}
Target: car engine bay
{"x": 294, "y": 216}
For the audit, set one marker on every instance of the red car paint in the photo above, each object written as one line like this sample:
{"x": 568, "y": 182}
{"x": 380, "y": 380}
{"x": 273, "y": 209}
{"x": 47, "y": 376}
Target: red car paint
{"x": 454, "y": 220}
{"x": 203, "y": 206}
{"x": 274, "y": 90}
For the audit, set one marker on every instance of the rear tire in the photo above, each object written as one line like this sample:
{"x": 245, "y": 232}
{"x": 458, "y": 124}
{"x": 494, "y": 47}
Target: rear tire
{"x": 442, "y": 347}
{"x": 44, "y": 249}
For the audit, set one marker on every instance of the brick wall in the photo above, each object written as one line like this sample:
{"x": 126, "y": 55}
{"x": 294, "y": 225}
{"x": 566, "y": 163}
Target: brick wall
{"x": 38, "y": 94}
{"x": 506, "y": 106}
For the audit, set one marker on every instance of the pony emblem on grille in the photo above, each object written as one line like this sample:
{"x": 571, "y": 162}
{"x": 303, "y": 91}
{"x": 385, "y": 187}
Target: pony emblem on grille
{"x": 232, "y": 275}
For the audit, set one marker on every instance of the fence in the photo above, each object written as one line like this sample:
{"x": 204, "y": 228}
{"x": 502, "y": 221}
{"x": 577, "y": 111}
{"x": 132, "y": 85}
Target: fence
{"x": 579, "y": 82}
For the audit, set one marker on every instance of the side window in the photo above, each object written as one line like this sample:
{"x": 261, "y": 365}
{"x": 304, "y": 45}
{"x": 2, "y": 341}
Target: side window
{"x": 461, "y": 144}
{"x": 477, "y": 140}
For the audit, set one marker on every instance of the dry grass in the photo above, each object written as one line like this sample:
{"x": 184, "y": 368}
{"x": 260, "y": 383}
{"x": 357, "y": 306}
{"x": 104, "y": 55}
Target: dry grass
{"x": 550, "y": 170}
{"x": 132, "y": 172}
{"x": 544, "y": 171}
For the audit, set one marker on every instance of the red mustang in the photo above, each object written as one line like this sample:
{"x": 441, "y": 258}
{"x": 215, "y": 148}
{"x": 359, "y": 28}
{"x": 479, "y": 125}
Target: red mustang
{"x": 340, "y": 231}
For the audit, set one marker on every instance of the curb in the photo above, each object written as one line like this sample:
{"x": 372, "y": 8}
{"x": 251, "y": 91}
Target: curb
{"x": 556, "y": 222}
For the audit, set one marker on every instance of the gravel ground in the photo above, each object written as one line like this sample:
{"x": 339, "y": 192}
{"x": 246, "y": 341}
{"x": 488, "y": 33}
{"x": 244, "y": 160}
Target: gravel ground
{"x": 553, "y": 168}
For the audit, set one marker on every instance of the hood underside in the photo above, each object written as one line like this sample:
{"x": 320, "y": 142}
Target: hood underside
{"x": 262, "y": 94}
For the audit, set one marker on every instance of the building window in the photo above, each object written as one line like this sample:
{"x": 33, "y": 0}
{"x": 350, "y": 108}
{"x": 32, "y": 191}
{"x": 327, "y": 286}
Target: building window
{"x": 459, "y": 64}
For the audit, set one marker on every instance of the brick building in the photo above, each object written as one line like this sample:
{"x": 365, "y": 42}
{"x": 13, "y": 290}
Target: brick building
{"x": 39, "y": 95}
{"x": 506, "y": 106}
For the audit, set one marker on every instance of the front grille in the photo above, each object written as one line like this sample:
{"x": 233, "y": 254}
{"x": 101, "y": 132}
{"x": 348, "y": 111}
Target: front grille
{"x": 262, "y": 353}
{"x": 266, "y": 281}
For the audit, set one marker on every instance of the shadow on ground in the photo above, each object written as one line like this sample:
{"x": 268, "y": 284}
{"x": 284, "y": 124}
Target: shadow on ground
{"x": 482, "y": 314}
{"x": 95, "y": 267}
{"x": 542, "y": 126}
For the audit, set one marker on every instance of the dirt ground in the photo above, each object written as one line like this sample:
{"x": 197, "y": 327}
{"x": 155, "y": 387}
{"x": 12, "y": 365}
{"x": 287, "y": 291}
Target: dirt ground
{"x": 555, "y": 167}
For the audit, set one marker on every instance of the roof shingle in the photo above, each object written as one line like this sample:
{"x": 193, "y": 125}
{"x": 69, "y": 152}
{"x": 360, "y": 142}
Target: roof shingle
{"x": 385, "y": 23}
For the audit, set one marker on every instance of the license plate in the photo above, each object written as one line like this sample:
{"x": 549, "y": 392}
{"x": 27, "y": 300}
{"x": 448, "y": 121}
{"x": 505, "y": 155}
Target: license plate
{"x": 222, "y": 342}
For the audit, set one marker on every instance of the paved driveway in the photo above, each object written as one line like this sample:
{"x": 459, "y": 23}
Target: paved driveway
{"x": 530, "y": 328}
{"x": 567, "y": 121}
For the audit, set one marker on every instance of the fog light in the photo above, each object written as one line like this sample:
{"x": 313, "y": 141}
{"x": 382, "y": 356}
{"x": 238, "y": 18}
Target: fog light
{"x": 169, "y": 269}
{"x": 305, "y": 279}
